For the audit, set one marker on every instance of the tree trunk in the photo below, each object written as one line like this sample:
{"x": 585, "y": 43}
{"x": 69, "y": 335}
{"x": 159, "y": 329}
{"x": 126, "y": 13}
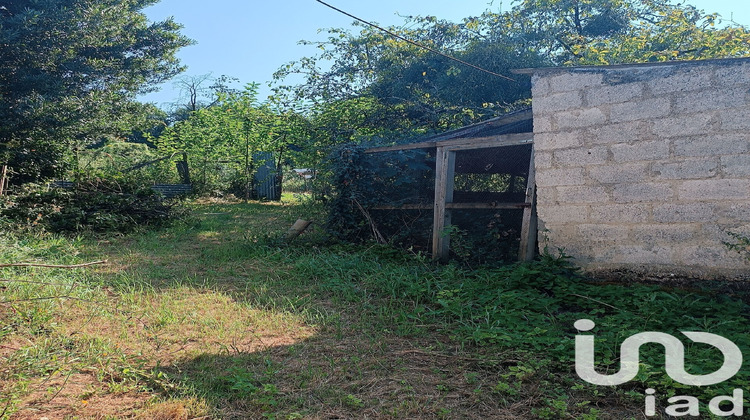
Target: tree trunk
{"x": 184, "y": 170}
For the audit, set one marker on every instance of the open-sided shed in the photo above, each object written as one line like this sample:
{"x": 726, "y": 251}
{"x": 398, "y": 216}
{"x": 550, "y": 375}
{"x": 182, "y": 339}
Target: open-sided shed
{"x": 475, "y": 183}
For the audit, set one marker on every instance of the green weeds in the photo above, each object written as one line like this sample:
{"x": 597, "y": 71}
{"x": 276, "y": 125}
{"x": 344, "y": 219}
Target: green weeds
{"x": 219, "y": 316}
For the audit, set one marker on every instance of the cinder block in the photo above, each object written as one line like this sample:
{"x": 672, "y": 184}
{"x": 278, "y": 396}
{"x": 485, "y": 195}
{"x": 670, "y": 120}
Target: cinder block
{"x": 686, "y": 125}
{"x": 689, "y": 212}
{"x": 712, "y": 145}
{"x": 580, "y": 118}
{"x": 682, "y": 80}
{"x": 640, "y": 151}
{"x": 620, "y": 213}
{"x": 642, "y": 193}
{"x": 558, "y": 140}
{"x": 542, "y": 159}
{"x": 573, "y": 81}
{"x": 546, "y": 197}
{"x": 714, "y": 189}
{"x": 642, "y": 254}
{"x": 563, "y": 215}
{"x": 619, "y": 133}
{"x": 736, "y": 119}
{"x": 539, "y": 85}
{"x": 646, "y": 109}
{"x": 581, "y": 156}
{"x": 716, "y": 256}
{"x": 733, "y": 74}
{"x": 582, "y": 194}
{"x": 733, "y": 212}
{"x": 613, "y": 94}
{"x": 556, "y": 102}
{"x": 716, "y": 233}
{"x": 554, "y": 177}
{"x": 665, "y": 233}
{"x": 542, "y": 124}
{"x": 618, "y": 173}
{"x": 710, "y": 100}
{"x": 603, "y": 232}
{"x": 686, "y": 169}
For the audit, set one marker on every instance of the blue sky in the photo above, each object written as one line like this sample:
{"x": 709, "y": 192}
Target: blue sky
{"x": 250, "y": 39}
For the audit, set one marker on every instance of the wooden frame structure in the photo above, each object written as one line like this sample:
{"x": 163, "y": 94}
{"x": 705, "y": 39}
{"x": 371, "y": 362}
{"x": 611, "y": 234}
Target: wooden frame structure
{"x": 445, "y": 167}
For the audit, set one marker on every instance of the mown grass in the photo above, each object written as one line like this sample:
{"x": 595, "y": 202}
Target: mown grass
{"x": 219, "y": 318}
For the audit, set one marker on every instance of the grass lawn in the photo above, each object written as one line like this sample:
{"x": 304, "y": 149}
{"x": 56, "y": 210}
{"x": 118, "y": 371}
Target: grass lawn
{"x": 217, "y": 318}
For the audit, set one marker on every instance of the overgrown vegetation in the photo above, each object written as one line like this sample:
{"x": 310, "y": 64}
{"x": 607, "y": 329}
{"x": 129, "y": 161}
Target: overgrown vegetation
{"x": 94, "y": 205}
{"x": 217, "y": 317}
{"x": 221, "y": 319}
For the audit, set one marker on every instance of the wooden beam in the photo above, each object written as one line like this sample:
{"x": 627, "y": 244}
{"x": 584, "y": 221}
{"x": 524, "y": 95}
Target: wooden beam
{"x": 399, "y": 147}
{"x": 462, "y": 143}
{"x": 457, "y": 206}
{"x": 444, "y": 174}
{"x": 485, "y": 142}
{"x": 529, "y": 223}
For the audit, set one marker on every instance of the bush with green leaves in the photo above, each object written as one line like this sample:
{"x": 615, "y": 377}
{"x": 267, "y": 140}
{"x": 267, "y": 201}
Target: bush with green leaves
{"x": 95, "y": 205}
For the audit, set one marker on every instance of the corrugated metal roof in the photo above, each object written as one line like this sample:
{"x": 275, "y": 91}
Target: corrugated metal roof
{"x": 515, "y": 122}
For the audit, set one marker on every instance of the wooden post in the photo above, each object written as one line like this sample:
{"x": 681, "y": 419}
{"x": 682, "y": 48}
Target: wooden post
{"x": 529, "y": 224}
{"x": 3, "y": 181}
{"x": 445, "y": 165}
{"x": 297, "y": 228}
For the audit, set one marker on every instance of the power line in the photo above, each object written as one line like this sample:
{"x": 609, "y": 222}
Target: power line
{"x": 415, "y": 43}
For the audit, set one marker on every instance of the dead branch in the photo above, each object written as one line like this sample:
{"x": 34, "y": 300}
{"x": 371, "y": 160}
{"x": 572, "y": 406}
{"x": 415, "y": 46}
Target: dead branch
{"x": 379, "y": 238}
{"x": 49, "y": 298}
{"x": 33, "y": 282}
{"x": 53, "y": 265}
{"x": 595, "y": 300}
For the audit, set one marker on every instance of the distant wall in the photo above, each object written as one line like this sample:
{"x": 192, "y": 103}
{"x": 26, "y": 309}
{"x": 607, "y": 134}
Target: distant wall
{"x": 645, "y": 166}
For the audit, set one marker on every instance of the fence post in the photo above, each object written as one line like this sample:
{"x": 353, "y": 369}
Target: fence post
{"x": 444, "y": 173}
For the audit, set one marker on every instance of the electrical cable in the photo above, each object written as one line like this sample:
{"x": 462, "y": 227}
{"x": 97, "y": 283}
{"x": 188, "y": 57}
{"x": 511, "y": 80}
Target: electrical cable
{"x": 415, "y": 43}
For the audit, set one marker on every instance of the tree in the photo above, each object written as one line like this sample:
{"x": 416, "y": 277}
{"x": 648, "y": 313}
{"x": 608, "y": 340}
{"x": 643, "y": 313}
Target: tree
{"x": 371, "y": 84}
{"x": 586, "y": 32}
{"x": 219, "y": 141}
{"x": 414, "y": 89}
{"x": 69, "y": 73}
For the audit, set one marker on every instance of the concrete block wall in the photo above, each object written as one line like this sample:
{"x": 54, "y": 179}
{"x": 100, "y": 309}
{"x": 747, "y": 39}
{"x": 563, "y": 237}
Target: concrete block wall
{"x": 645, "y": 166}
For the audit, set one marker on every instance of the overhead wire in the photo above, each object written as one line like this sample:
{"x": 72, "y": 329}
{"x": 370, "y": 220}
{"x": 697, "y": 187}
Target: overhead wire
{"x": 415, "y": 43}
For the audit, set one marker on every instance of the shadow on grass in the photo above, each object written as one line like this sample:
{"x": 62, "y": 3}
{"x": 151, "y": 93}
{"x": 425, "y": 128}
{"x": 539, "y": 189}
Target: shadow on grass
{"x": 234, "y": 316}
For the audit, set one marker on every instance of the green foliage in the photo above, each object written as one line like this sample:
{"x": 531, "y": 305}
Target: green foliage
{"x": 740, "y": 244}
{"x": 135, "y": 162}
{"x": 362, "y": 181}
{"x": 379, "y": 85}
{"x": 529, "y": 308}
{"x": 95, "y": 205}
{"x": 595, "y": 32}
{"x": 494, "y": 334}
{"x": 220, "y": 141}
{"x": 350, "y": 170}
{"x": 69, "y": 74}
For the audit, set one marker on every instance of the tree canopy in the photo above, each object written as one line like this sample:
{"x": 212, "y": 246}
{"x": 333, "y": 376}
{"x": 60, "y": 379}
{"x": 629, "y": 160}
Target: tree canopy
{"x": 364, "y": 82}
{"x": 602, "y": 32}
{"x": 69, "y": 73}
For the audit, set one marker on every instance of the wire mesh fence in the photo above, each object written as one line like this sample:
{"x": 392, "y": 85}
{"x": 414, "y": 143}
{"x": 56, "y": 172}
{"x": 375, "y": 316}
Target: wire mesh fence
{"x": 485, "y": 200}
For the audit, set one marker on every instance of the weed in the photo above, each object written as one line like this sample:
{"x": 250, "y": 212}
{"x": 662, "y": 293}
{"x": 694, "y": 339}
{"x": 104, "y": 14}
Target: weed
{"x": 219, "y": 318}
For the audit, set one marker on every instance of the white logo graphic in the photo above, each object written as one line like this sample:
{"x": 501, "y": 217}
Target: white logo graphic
{"x": 674, "y": 357}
